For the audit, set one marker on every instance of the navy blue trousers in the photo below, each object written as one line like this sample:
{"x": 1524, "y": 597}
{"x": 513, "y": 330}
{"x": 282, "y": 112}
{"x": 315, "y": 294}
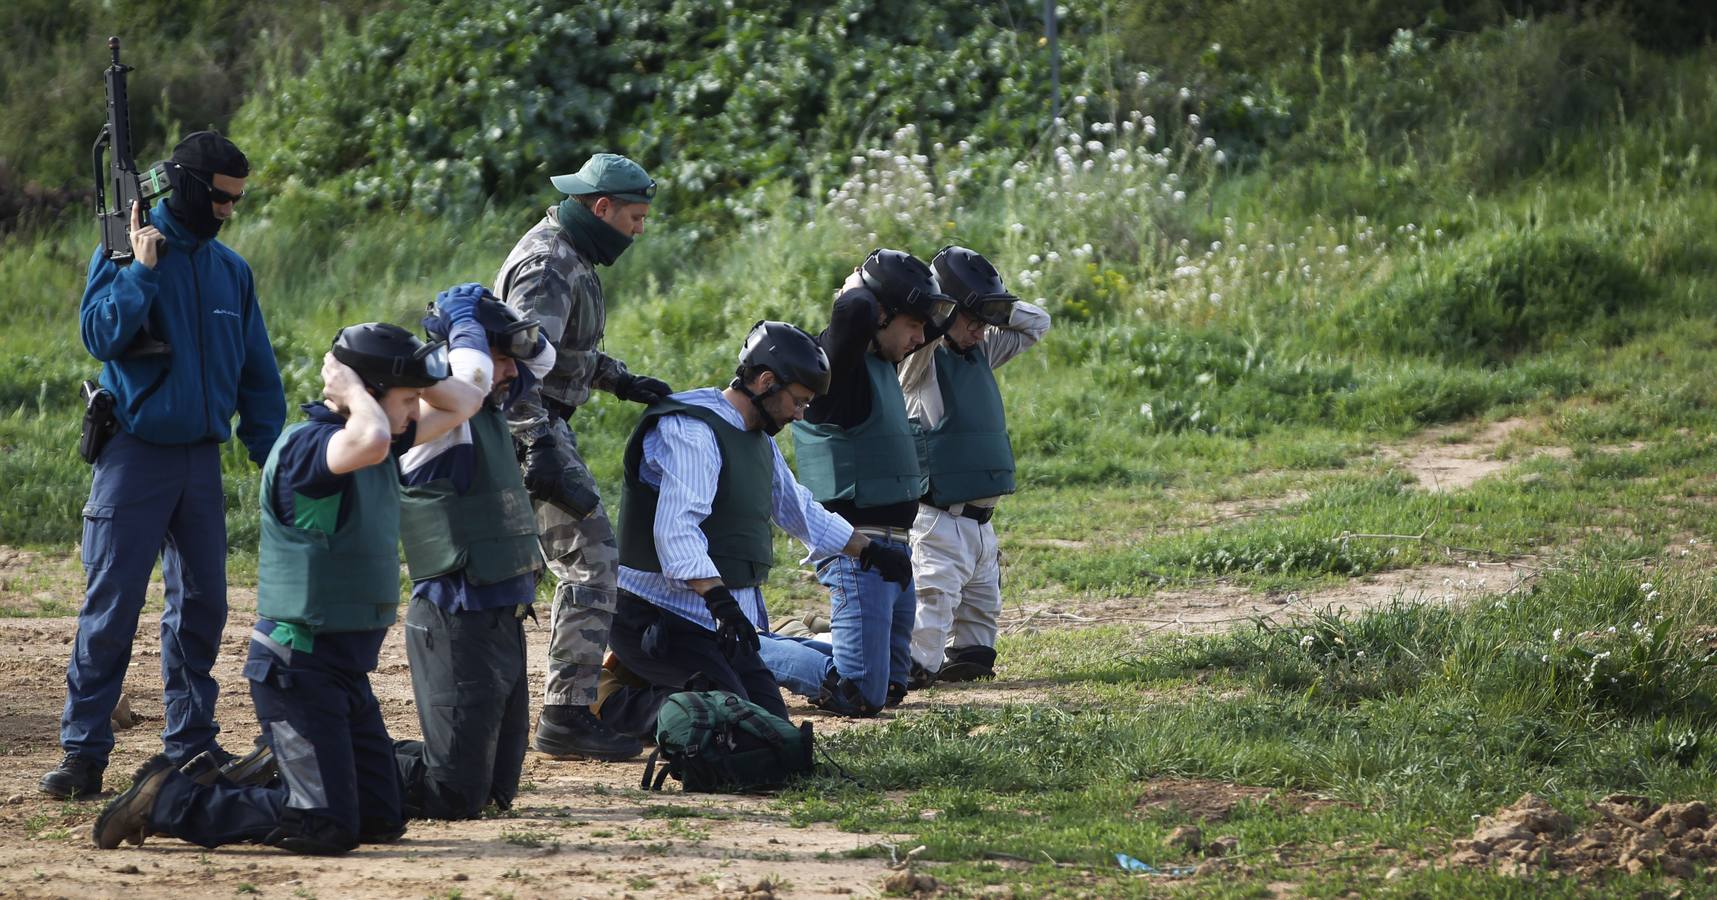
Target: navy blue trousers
{"x": 325, "y": 728}
{"x": 148, "y": 501}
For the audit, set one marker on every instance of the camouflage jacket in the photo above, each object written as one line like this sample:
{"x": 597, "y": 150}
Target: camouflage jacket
{"x": 545, "y": 278}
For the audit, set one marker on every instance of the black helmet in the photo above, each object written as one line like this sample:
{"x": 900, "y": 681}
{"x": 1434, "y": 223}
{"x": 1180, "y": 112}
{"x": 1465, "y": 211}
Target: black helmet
{"x": 387, "y": 356}
{"x": 903, "y": 283}
{"x": 974, "y": 284}
{"x": 505, "y": 328}
{"x": 793, "y": 355}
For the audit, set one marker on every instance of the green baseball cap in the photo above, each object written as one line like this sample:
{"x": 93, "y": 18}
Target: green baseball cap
{"x": 611, "y": 174}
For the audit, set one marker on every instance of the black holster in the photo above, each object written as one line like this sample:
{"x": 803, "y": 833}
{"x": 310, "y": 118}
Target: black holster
{"x": 99, "y": 423}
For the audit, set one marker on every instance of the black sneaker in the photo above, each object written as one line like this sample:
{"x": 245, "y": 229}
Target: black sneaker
{"x": 896, "y": 695}
{"x": 75, "y": 776}
{"x": 126, "y": 817}
{"x": 573, "y": 732}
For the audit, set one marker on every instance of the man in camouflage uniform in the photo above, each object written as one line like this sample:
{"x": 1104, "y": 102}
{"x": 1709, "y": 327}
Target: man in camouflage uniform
{"x": 551, "y": 276}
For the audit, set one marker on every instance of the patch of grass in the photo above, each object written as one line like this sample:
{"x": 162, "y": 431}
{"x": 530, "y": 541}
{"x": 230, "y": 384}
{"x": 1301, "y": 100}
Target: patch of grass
{"x": 1414, "y": 717}
{"x": 529, "y": 839}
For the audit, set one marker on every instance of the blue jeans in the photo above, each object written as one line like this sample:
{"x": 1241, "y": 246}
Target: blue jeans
{"x": 873, "y": 621}
{"x": 799, "y": 663}
{"x": 148, "y": 500}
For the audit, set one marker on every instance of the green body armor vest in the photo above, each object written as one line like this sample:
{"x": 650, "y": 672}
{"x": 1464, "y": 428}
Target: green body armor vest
{"x": 969, "y": 454}
{"x": 738, "y": 527}
{"x": 874, "y": 463}
{"x": 344, "y": 581}
{"x": 490, "y": 531}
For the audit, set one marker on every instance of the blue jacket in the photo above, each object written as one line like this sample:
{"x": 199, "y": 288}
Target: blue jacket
{"x": 201, "y": 299}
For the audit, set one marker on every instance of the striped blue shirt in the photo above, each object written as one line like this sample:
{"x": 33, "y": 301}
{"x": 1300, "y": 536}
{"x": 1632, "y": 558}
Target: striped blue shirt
{"x": 683, "y": 461}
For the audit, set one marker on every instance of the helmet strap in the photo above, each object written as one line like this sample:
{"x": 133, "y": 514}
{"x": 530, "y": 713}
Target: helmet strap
{"x": 770, "y": 425}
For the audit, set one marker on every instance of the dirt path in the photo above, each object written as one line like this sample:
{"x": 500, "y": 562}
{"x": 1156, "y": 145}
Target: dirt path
{"x": 1452, "y": 457}
{"x": 1220, "y": 606}
{"x": 578, "y": 829}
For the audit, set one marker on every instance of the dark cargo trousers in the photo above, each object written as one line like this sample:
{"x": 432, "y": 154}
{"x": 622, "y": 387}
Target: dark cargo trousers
{"x": 335, "y": 757}
{"x": 667, "y": 650}
{"x": 468, "y": 676}
{"x": 147, "y": 501}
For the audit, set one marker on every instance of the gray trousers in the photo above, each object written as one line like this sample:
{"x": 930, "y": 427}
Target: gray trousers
{"x": 469, "y": 679}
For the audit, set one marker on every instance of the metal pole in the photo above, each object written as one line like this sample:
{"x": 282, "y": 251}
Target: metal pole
{"x": 1054, "y": 64}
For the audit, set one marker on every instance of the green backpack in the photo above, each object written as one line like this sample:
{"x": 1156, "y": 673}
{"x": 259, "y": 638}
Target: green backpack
{"x": 715, "y": 742}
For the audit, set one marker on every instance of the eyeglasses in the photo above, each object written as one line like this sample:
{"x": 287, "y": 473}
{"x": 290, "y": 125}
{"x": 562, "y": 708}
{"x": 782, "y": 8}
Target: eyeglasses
{"x": 215, "y": 193}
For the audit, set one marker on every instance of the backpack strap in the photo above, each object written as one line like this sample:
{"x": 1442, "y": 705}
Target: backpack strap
{"x": 650, "y": 769}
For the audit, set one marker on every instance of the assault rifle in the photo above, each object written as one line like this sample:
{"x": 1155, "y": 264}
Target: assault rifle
{"x": 116, "y": 176}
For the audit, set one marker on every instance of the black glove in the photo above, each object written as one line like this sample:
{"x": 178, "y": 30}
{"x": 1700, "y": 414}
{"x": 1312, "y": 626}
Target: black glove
{"x": 641, "y": 388}
{"x": 547, "y": 482}
{"x": 542, "y": 470}
{"x": 733, "y": 631}
{"x": 891, "y": 564}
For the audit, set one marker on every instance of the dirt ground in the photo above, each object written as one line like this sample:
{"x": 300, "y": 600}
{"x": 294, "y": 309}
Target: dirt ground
{"x": 578, "y": 828}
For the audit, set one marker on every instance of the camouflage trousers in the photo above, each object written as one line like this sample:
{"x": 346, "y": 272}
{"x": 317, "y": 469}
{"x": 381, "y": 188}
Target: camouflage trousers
{"x": 584, "y": 556}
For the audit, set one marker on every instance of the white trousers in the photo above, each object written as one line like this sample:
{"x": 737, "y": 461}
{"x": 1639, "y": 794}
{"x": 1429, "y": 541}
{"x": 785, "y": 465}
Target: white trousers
{"x": 956, "y": 572}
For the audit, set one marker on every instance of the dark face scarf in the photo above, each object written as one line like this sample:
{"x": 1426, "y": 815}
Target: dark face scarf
{"x": 191, "y": 204}
{"x": 594, "y": 239}
{"x": 203, "y": 153}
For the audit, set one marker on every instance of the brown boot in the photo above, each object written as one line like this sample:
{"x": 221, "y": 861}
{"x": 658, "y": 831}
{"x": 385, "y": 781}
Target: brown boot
{"x": 126, "y": 817}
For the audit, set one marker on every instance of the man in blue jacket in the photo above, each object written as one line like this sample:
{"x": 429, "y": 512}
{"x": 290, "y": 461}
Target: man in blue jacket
{"x": 156, "y": 490}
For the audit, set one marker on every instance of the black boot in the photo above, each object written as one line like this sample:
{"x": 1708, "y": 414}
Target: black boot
{"x": 573, "y": 732}
{"x": 75, "y": 776}
{"x": 918, "y": 678}
{"x": 968, "y": 664}
{"x": 841, "y": 697}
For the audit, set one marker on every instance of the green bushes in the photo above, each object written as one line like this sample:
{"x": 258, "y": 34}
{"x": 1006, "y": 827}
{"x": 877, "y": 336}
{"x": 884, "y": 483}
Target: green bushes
{"x": 438, "y": 106}
{"x": 197, "y": 62}
{"x": 1494, "y": 298}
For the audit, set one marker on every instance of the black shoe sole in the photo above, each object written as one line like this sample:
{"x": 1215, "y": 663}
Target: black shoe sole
{"x": 73, "y": 794}
{"x": 557, "y": 750}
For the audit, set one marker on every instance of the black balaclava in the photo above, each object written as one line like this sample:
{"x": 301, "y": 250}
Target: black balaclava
{"x": 205, "y": 153}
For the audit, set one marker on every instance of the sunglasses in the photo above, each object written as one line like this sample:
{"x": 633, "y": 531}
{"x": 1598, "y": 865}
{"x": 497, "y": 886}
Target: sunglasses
{"x": 215, "y": 193}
